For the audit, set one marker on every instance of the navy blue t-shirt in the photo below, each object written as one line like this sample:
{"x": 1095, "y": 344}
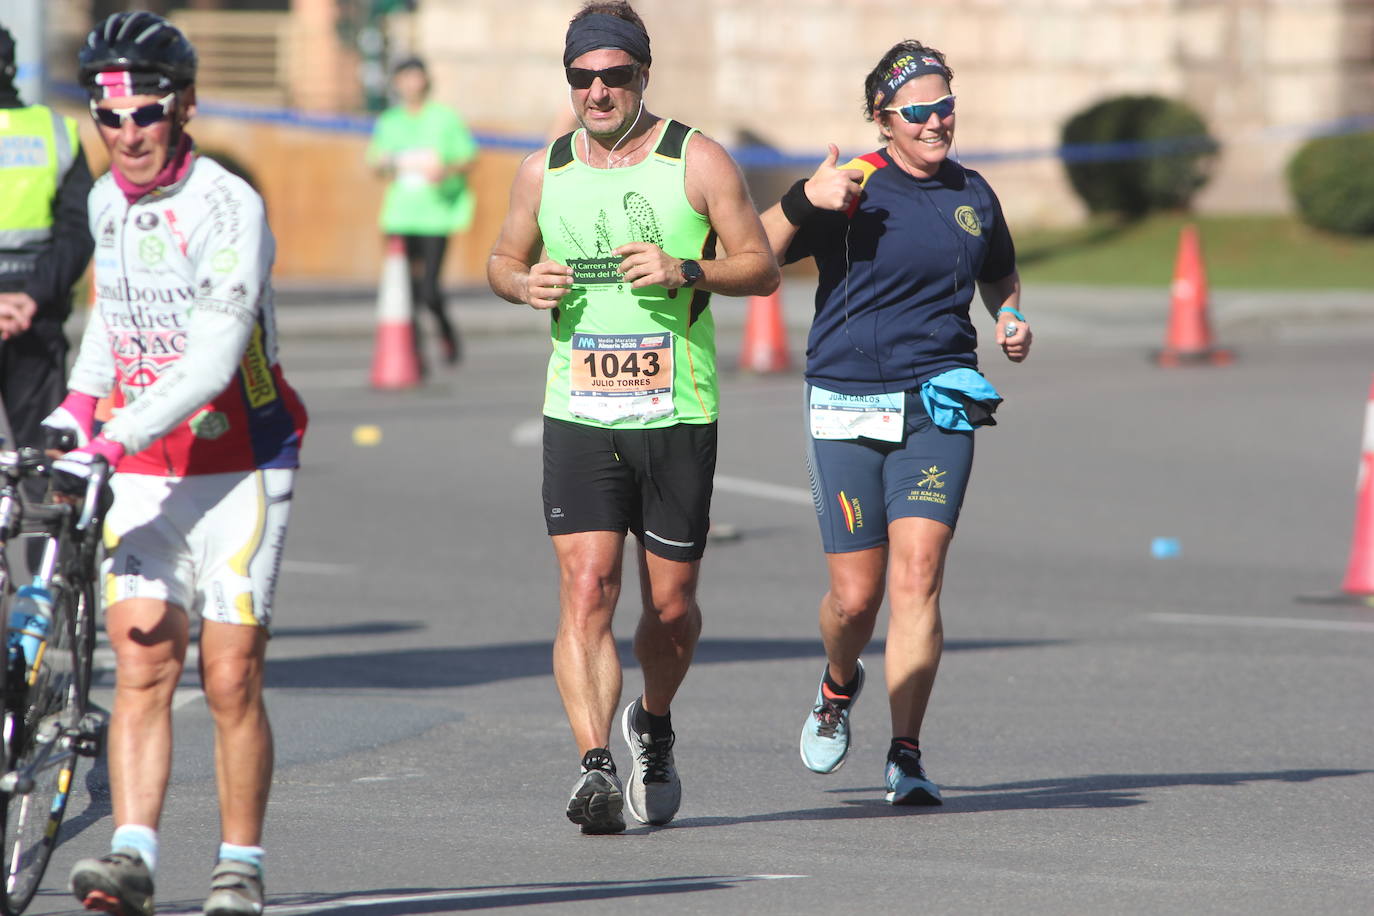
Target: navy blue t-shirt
{"x": 897, "y": 275}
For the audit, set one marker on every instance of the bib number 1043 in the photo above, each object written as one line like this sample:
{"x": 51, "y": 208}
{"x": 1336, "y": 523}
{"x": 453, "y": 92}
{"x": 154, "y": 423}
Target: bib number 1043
{"x": 621, "y": 376}
{"x": 609, "y": 365}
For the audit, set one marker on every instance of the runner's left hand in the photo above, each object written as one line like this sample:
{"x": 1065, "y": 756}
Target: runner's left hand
{"x": 645, "y": 264}
{"x": 1017, "y": 346}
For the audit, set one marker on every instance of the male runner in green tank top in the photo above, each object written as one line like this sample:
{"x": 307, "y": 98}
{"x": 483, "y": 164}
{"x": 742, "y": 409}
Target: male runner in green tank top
{"x": 631, "y": 209}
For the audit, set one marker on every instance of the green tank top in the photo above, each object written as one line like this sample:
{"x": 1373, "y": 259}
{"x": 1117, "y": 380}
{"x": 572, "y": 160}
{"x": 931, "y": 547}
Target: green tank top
{"x": 622, "y": 357}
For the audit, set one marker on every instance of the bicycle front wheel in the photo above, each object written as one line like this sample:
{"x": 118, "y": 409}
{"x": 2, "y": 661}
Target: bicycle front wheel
{"x": 41, "y": 713}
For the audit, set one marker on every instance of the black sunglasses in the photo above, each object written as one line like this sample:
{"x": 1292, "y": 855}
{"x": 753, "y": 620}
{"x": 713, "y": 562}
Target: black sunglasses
{"x": 613, "y": 77}
{"x": 143, "y": 116}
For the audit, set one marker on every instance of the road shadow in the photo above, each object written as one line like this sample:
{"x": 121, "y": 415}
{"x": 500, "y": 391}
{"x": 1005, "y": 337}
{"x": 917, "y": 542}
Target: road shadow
{"x": 97, "y": 802}
{"x": 413, "y": 901}
{"x": 1103, "y": 791}
{"x": 466, "y": 666}
{"x": 1110, "y": 790}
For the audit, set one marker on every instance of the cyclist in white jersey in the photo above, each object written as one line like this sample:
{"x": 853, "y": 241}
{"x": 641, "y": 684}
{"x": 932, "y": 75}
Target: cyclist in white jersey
{"x": 205, "y": 439}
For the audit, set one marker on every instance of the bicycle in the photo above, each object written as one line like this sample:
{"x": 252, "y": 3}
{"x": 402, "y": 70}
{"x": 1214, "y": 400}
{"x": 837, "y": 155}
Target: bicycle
{"x": 48, "y": 723}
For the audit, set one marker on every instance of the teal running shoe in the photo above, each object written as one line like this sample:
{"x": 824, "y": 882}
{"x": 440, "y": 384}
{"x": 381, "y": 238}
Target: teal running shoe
{"x": 825, "y": 733}
{"x": 906, "y": 778}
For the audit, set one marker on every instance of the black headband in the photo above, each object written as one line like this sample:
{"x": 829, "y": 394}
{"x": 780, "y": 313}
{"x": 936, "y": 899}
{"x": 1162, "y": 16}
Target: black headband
{"x": 599, "y": 30}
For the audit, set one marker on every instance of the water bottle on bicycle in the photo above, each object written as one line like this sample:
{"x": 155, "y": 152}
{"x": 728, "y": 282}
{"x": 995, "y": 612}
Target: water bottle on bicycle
{"x": 30, "y": 620}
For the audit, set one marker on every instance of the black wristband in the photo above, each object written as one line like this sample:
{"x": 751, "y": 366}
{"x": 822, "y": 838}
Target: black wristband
{"x": 795, "y": 204}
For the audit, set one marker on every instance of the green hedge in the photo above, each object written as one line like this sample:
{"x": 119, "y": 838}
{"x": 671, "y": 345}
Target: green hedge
{"x": 1135, "y": 154}
{"x": 1332, "y": 183}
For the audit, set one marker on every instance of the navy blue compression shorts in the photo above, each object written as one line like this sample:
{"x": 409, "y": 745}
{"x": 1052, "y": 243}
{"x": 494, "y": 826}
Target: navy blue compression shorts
{"x": 859, "y": 485}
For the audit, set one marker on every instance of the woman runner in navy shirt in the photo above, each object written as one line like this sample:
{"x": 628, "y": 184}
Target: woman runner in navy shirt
{"x": 901, "y": 237}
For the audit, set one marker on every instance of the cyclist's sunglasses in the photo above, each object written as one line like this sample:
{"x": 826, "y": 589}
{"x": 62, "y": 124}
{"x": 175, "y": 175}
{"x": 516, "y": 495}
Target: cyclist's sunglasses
{"x": 613, "y": 77}
{"x": 143, "y": 115}
{"x": 920, "y": 114}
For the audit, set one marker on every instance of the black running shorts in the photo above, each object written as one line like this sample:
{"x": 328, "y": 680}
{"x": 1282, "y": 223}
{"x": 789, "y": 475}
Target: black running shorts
{"x": 654, "y": 482}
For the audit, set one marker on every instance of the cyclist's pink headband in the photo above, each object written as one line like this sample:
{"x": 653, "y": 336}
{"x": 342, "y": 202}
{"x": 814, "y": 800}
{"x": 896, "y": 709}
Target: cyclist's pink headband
{"x": 114, "y": 84}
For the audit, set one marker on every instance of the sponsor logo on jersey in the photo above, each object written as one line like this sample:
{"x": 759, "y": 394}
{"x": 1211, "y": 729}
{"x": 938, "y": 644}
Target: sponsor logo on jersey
{"x": 107, "y": 234}
{"x": 146, "y": 220}
{"x": 151, "y": 249}
{"x": 224, "y": 260}
{"x": 124, "y": 291}
{"x": 172, "y": 225}
{"x": 257, "y": 374}
{"x": 209, "y": 424}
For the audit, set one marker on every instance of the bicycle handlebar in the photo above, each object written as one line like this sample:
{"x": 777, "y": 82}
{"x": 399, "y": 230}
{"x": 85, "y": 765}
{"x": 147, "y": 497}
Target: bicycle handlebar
{"x": 27, "y": 463}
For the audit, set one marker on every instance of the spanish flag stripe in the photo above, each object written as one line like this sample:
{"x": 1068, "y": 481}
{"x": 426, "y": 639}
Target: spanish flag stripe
{"x": 868, "y": 164}
{"x": 848, "y": 511}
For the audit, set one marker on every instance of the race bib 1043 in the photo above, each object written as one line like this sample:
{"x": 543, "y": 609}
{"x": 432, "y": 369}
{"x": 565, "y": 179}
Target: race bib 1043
{"x": 615, "y": 377}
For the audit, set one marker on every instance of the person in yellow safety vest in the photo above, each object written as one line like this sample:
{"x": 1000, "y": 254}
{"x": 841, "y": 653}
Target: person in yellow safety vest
{"x": 45, "y": 244}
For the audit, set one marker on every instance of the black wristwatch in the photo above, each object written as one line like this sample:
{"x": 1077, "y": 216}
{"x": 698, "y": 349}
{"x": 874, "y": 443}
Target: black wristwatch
{"x": 691, "y": 273}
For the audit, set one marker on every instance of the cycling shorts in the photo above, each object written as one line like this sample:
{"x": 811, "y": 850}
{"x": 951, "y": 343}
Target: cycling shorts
{"x": 654, "y": 482}
{"x": 860, "y": 485}
{"x": 210, "y": 543}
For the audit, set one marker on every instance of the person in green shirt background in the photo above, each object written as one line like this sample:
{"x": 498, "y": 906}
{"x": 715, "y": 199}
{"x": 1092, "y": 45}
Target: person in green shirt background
{"x": 426, "y": 151}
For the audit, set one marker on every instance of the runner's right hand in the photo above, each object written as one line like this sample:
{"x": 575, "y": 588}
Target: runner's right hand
{"x": 831, "y": 188}
{"x": 548, "y": 281}
{"x": 72, "y": 472}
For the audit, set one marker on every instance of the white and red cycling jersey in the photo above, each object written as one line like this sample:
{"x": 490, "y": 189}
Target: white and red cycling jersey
{"x": 182, "y": 335}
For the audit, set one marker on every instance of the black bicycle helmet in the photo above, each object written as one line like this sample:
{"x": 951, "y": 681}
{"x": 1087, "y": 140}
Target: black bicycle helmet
{"x": 141, "y": 41}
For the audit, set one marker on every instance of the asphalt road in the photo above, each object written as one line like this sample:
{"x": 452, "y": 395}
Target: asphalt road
{"x": 1114, "y": 733}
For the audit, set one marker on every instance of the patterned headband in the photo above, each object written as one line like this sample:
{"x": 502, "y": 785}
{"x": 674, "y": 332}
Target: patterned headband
{"x": 903, "y": 70}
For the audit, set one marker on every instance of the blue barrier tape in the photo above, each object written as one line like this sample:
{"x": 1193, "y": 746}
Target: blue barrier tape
{"x": 766, "y": 157}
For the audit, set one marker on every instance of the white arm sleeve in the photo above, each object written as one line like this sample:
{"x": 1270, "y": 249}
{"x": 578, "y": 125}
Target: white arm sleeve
{"x": 93, "y": 372}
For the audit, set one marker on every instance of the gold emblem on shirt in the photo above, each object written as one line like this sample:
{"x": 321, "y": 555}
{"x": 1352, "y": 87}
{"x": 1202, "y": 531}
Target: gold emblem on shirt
{"x": 968, "y": 220}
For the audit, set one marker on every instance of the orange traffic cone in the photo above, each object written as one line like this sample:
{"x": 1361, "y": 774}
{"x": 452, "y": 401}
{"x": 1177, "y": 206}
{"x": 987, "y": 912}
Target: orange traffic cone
{"x": 395, "y": 364}
{"x": 765, "y": 340}
{"x": 1189, "y": 336}
{"x": 1358, "y": 586}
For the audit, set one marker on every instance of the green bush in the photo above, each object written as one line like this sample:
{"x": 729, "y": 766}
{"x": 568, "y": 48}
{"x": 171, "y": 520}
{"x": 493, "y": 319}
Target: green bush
{"x": 1135, "y": 154}
{"x": 1332, "y": 183}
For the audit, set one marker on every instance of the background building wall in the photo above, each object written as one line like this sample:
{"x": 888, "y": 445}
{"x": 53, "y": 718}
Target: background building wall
{"x": 789, "y": 74}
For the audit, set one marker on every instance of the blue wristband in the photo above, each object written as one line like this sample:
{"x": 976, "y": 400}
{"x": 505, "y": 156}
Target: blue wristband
{"x": 1014, "y": 313}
